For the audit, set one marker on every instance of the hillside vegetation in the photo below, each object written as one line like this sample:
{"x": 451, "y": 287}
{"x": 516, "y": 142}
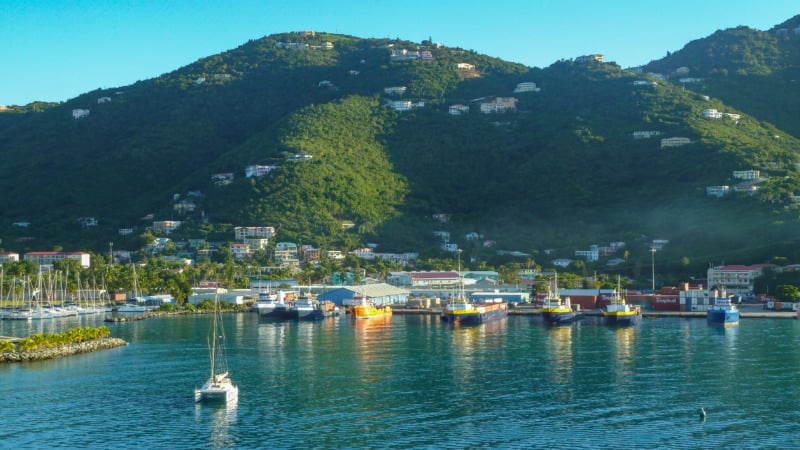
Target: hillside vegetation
{"x": 561, "y": 171}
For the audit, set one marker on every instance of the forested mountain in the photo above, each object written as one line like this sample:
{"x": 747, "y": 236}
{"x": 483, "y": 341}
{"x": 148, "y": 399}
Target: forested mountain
{"x": 561, "y": 170}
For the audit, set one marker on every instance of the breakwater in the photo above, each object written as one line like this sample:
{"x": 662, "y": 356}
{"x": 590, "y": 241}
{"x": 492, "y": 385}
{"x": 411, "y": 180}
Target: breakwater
{"x": 62, "y": 350}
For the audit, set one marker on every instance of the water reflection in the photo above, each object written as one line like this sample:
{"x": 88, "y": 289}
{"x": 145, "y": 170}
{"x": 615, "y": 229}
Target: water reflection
{"x": 371, "y": 344}
{"x": 559, "y": 349}
{"x": 222, "y": 418}
{"x": 625, "y": 340}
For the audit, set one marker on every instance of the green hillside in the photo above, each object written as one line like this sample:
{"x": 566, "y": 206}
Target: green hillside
{"x": 562, "y": 170}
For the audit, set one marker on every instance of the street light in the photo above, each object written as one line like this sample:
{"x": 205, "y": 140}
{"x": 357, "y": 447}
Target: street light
{"x": 653, "y": 265}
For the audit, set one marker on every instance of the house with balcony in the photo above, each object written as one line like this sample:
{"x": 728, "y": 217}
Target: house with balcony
{"x": 80, "y": 113}
{"x": 240, "y": 250}
{"x": 526, "y": 86}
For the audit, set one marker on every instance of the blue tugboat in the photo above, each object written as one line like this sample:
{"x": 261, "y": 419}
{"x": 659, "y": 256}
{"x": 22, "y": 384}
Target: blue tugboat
{"x": 723, "y": 311}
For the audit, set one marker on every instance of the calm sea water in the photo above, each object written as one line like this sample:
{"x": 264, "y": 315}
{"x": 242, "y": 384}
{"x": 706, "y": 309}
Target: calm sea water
{"x": 413, "y": 382}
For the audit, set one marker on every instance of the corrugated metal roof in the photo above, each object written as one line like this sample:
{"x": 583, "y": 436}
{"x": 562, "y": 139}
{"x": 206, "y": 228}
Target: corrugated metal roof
{"x": 435, "y": 275}
{"x": 377, "y": 290}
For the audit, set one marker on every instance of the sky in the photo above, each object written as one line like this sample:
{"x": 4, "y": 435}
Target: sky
{"x": 55, "y": 50}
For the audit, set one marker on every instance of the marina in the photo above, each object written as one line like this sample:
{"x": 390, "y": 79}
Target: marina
{"x": 412, "y": 381}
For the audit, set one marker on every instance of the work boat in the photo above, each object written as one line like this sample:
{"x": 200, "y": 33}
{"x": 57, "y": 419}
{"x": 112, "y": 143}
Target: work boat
{"x": 723, "y": 311}
{"x": 219, "y": 386}
{"x": 555, "y": 310}
{"x": 362, "y": 308}
{"x": 619, "y": 312}
{"x": 460, "y": 311}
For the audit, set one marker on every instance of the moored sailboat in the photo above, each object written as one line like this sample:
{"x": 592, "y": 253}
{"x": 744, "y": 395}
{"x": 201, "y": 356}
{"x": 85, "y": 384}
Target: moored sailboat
{"x": 219, "y": 386}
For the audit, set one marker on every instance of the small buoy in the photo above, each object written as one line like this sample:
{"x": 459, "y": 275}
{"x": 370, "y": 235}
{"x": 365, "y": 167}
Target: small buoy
{"x": 702, "y": 413}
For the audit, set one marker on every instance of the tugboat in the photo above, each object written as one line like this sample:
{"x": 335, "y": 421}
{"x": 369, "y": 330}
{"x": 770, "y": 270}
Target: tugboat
{"x": 460, "y": 311}
{"x": 556, "y": 311}
{"x": 723, "y": 311}
{"x": 618, "y": 312}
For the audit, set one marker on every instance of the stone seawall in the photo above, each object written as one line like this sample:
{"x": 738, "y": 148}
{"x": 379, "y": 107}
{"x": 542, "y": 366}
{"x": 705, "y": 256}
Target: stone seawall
{"x": 65, "y": 350}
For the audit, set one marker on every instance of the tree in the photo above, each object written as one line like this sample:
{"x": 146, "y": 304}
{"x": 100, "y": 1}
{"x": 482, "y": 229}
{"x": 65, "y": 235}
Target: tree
{"x": 787, "y": 293}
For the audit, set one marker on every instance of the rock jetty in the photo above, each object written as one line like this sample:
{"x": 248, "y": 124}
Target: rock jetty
{"x": 60, "y": 351}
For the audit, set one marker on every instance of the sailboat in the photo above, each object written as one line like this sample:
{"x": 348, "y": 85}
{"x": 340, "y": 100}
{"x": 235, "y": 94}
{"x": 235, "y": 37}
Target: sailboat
{"x": 219, "y": 386}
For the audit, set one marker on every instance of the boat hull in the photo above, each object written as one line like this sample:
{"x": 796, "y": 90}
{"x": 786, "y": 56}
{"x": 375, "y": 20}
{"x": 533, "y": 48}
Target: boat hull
{"x": 561, "y": 318}
{"x": 363, "y": 310}
{"x": 225, "y": 393}
{"x": 275, "y": 312}
{"x": 722, "y": 317}
{"x": 621, "y": 319}
{"x": 475, "y": 318}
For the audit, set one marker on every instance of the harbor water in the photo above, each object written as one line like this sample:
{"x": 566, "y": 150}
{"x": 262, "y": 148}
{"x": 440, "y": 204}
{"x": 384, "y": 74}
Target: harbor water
{"x": 414, "y": 382}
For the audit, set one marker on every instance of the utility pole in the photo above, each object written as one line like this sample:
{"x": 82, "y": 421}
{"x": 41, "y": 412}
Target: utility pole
{"x": 653, "y": 264}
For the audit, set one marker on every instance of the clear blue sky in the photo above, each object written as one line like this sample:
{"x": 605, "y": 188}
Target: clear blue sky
{"x": 54, "y": 50}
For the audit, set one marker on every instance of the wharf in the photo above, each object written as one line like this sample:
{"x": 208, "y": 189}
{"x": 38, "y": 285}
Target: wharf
{"x": 745, "y": 311}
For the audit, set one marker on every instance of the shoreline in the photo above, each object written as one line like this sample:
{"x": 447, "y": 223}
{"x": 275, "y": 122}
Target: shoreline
{"x": 62, "y": 351}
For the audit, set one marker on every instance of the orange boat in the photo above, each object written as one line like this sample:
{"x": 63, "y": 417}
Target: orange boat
{"x": 362, "y": 308}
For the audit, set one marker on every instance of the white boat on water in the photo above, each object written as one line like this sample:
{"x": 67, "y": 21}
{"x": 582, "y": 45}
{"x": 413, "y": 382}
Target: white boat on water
{"x": 219, "y": 386}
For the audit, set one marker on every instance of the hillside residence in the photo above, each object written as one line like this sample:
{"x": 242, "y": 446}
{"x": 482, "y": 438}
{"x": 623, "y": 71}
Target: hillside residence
{"x": 310, "y": 253}
{"x": 426, "y": 55}
{"x": 714, "y": 114}
{"x": 257, "y": 243}
{"x": 258, "y": 171}
{"x": 240, "y": 250}
{"x": 596, "y": 57}
{"x": 658, "y": 244}
{"x": 473, "y": 236}
{"x": 489, "y": 243}
{"x": 443, "y": 235}
{"x": 222, "y": 179}
{"x": 335, "y": 255}
{"x": 79, "y": 113}
{"x": 158, "y": 244}
{"x": 87, "y": 222}
{"x": 398, "y": 54}
{"x": 735, "y": 279}
{"x": 292, "y": 45}
{"x": 326, "y": 84}
{"x": 346, "y": 225}
{"x": 395, "y": 90}
{"x": 465, "y": 66}
{"x": 353, "y": 72}
{"x": 526, "y": 86}
{"x": 747, "y": 187}
{"x": 689, "y": 80}
{"x": 498, "y": 105}
{"x": 285, "y": 251}
{"x": 48, "y": 258}
{"x": 184, "y": 206}
{"x": 102, "y": 100}
{"x": 166, "y": 226}
{"x": 22, "y": 224}
{"x": 126, "y": 231}
{"x": 364, "y": 253}
{"x": 299, "y": 157}
{"x": 644, "y": 83}
{"x": 645, "y": 134}
{"x": 400, "y": 105}
{"x": 452, "y": 248}
{"x": 717, "y": 191}
{"x": 747, "y": 174}
{"x": 675, "y": 142}
{"x": 458, "y": 109}
{"x": 402, "y": 259}
{"x": 441, "y": 217}
{"x": 241, "y": 233}
{"x": 561, "y": 262}
{"x": 8, "y": 257}
{"x": 588, "y": 255}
